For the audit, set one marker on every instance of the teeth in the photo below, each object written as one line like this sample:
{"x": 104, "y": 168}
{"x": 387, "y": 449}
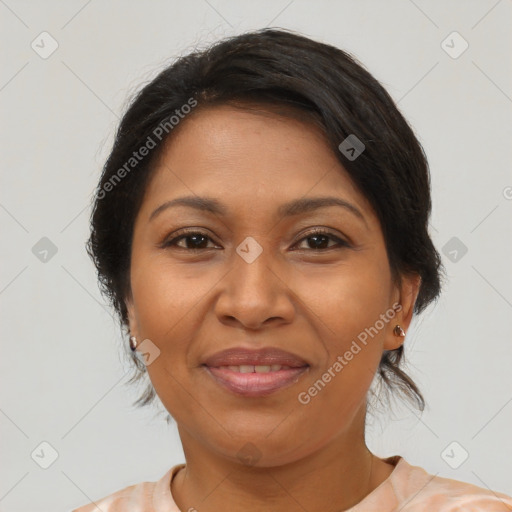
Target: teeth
{"x": 248, "y": 368}
{"x": 262, "y": 369}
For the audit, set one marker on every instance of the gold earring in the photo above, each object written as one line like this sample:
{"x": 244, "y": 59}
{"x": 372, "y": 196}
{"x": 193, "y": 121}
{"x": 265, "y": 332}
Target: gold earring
{"x": 133, "y": 342}
{"x": 398, "y": 331}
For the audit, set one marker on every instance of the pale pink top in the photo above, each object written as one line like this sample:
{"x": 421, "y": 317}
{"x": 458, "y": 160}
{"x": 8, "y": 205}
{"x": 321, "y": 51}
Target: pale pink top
{"x": 407, "y": 489}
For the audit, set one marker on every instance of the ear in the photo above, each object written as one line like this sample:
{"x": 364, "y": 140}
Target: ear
{"x": 405, "y": 297}
{"x": 132, "y": 319}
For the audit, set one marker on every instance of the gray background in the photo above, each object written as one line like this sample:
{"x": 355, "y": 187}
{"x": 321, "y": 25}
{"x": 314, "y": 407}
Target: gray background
{"x": 62, "y": 375}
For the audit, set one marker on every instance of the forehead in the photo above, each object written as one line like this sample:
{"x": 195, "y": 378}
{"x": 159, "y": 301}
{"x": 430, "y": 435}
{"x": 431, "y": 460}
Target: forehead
{"x": 250, "y": 160}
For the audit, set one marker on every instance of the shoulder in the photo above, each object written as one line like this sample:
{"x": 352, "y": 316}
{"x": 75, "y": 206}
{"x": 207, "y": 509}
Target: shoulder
{"x": 417, "y": 491}
{"x": 143, "y": 497}
{"x": 139, "y": 495}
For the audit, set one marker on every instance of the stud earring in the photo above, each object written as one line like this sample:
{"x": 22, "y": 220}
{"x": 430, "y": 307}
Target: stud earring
{"x": 398, "y": 331}
{"x": 133, "y": 342}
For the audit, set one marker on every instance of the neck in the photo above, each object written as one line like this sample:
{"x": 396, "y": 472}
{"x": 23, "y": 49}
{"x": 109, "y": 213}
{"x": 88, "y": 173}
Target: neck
{"x": 336, "y": 477}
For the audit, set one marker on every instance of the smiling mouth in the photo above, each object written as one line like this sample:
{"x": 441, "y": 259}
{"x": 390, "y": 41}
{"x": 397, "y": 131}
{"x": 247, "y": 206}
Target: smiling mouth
{"x": 256, "y": 380}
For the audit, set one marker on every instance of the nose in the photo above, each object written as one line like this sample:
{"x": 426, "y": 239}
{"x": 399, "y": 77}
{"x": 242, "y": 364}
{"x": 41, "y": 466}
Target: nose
{"x": 253, "y": 293}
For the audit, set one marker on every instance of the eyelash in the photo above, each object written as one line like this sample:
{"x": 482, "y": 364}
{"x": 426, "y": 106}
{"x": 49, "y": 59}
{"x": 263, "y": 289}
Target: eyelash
{"x": 316, "y": 232}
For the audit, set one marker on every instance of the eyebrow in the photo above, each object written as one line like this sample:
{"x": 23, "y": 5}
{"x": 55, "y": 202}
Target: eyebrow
{"x": 295, "y": 207}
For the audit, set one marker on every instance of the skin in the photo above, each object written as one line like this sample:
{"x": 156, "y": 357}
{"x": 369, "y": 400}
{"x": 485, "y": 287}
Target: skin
{"x": 312, "y": 302}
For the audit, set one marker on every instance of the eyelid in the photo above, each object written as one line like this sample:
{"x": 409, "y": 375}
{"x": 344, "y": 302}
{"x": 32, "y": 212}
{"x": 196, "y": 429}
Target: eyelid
{"x": 172, "y": 238}
{"x": 326, "y": 232}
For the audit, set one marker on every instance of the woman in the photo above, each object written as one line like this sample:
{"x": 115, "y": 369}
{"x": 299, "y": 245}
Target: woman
{"x": 261, "y": 227}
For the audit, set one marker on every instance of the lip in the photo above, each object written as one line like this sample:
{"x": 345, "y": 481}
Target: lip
{"x": 243, "y": 356}
{"x": 255, "y": 384}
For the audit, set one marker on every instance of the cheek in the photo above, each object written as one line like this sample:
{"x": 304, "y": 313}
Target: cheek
{"x": 169, "y": 300}
{"x": 165, "y": 295}
{"x": 164, "y": 303}
{"x": 348, "y": 305}
{"x": 349, "y": 298}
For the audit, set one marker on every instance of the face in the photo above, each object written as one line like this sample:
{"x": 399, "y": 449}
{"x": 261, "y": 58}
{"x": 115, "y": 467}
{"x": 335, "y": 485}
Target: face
{"x": 254, "y": 275}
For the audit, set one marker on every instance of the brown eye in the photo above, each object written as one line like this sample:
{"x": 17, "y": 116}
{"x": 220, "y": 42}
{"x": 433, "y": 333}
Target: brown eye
{"x": 320, "y": 240}
{"x": 193, "y": 240}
